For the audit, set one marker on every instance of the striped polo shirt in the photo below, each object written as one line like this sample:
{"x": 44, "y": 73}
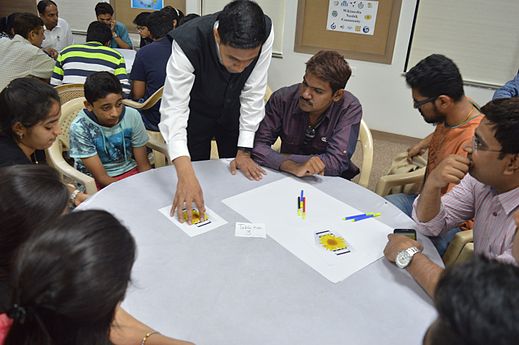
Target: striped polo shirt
{"x": 494, "y": 225}
{"x": 76, "y": 62}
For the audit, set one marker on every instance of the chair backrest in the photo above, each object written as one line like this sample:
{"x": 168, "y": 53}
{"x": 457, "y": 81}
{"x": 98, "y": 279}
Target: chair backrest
{"x": 147, "y": 104}
{"x": 68, "y": 92}
{"x": 268, "y": 93}
{"x": 366, "y": 140}
{"x": 69, "y": 111}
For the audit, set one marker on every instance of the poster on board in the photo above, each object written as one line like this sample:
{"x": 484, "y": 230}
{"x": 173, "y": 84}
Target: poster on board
{"x": 357, "y": 17}
{"x": 147, "y": 4}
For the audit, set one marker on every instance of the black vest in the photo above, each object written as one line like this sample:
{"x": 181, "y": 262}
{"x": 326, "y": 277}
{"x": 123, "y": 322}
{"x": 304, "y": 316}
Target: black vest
{"x": 216, "y": 92}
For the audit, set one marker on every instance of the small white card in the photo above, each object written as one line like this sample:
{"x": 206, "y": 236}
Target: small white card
{"x": 250, "y": 230}
{"x": 212, "y": 222}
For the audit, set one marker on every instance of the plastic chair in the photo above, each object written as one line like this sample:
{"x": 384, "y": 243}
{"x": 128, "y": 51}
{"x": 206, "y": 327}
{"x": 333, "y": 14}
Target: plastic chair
{"x": 69, "y": 111}
{"x": 147, "y": 104}
{"x": 409, "y": 181}
{"x": 460, "y": 249}
{"x": 69, "y": 92}
{"x": 156, "y": 138}
{"x": 366, "y": 140}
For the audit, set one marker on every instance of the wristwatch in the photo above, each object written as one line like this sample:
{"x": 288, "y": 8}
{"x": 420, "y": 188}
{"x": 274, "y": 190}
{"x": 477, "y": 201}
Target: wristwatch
{"x": 403, "y": 259}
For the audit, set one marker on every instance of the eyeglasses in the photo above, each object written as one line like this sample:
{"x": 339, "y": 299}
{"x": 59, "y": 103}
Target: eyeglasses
{"x": 478, "y": 145}
{"x": 141, "y": 28}
{"x": 418, "y": 104}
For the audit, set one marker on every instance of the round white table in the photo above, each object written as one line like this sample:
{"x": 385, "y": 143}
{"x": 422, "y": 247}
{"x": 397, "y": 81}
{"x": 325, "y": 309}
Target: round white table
{"x": 220, "y": 289}
{"x": 129, "y": 58}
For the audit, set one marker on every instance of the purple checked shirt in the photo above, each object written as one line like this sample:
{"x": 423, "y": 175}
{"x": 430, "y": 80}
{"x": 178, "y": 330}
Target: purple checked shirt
{"x": 494, "y": 225}
{"x": 335, "y": 138}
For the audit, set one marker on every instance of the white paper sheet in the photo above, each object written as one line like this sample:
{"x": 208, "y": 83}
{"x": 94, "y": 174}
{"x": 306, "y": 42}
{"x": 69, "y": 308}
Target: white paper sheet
{"x": 250, "y": 230}
{"x": 214, "y": 221}
{"x": 275, "y": 204}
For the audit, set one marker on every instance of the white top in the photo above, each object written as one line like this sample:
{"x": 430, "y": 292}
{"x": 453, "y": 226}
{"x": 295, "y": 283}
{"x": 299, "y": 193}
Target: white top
{"x": 180, "y": 78}
{"x": 19, "y": 58}
{"x": 59, "y": 37}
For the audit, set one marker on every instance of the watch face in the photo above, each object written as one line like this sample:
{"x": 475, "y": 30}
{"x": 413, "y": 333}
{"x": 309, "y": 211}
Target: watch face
{"x": 402, "y": 259}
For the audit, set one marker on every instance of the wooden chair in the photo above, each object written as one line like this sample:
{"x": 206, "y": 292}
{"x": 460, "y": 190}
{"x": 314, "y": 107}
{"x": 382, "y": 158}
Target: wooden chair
{"x": 69, "y": 92}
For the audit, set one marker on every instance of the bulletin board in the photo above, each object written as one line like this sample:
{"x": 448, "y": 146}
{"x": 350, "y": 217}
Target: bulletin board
{"x": 312, "y": 34}
{"x": 126, "y": 14}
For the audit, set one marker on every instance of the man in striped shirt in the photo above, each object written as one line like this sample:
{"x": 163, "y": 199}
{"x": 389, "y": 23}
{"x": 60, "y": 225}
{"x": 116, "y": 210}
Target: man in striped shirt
{"x": 76, "y": 62}
{"x": 489, "y": 193}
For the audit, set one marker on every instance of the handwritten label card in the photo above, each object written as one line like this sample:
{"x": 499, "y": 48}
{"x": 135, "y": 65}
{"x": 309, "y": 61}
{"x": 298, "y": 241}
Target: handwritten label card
{"x": 250, "y": 230}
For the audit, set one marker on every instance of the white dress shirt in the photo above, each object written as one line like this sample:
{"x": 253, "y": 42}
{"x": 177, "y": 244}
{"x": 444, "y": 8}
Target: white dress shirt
{"x": 180, "y": 79}
{"x": 59, "y": 37}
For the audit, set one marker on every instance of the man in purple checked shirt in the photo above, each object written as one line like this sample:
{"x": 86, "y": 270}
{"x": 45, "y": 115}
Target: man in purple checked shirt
{"x": 317, "y": 120}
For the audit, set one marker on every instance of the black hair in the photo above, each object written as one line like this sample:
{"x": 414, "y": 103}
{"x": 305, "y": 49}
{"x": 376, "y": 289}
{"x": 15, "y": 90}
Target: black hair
{"x": 478, "y": 304}
{"x": 98, "y": 32}
{"x": 43, "y": 4}
{"x": 68, "y": 279}
{"x": 30, "y": 196}
{"x": 104, "y": 8}
{"x": 142, "y": 19}
{"x": 25, "y": 100}
{"x": 100, "y": 84}
{"x": 504, "y": 116}
{"x": 6, "y": 24}
{"x": 331, "y": 67}
{"x": 187, "y": 18}
{"x": 436, "y": 75}
{"x": 241, "y": 24}
{"x": 159, "y": 24}
{"x": 173, "y": 13}
{"x": 24, "y": 23}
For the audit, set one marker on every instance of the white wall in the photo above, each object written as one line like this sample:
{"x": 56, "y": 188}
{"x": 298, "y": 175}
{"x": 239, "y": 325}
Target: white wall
{"x": 381, "y": 88}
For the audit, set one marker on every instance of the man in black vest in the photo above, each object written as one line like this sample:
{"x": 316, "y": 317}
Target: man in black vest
{"x": 216, "y": 80}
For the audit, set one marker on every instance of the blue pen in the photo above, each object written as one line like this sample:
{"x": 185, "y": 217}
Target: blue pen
{"x": 363, "y": 217}
{"x": 354, "y": 217}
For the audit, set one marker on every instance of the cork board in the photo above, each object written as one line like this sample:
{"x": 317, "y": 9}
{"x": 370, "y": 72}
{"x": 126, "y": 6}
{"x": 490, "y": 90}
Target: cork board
{"x": 125, "y": 14}
{"x": 312, "y": 35}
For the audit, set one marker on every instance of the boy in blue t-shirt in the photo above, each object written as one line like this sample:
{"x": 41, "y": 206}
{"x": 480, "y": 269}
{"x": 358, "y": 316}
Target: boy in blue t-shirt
{"x": 107, "y": 140}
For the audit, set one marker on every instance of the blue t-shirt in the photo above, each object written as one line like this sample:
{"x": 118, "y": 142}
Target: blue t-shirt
{"x": 150, "y": 67}
{"x": 121, "y": 31}
{"x": 114, "y": 145}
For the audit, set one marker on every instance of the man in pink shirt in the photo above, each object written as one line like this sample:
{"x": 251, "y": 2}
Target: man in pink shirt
{"x": 489, "y": 193}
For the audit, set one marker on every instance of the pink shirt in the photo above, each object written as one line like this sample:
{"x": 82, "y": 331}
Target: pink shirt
{"x": 494, "y": 225}
{"x": 5, "y": 325}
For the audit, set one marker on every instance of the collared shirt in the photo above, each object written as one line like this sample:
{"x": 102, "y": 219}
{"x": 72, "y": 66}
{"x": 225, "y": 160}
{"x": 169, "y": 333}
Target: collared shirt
{"x": 78, "y": 61}
{"x": 59, "y": 37}
{"x": 175, "y": 100}
{"x": 19, "y": 58}
{"x": 494, "y": 225}
{"x": 335, "y": 138}
{"x": 121, "y": 31}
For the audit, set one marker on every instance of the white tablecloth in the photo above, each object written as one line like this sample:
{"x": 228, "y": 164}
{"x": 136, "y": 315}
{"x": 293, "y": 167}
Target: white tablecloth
{"x": 220, "y": 289}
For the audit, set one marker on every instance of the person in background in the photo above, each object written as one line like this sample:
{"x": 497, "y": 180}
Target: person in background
{"x": 510, "y": 89}
{"x": 107, "y": 140}
{"x": 149, "y": 69}
{"x": 317, "y": 120}
{"x": 487, "y": 189}
{"x": 120, "y": 37}
{"x": 477, "y": 303}
{"x": 21, "y": 56}
{"x": 6, "y": 26}
{"x": 438, "y": 95}
{"x": 141, "y": 21}
{"x": 57, "y": 31}
{"x": 216, "y": 81}
{"x": 187, "y": 18}
{"x": 78, "y": 61}
{"x": 174, "y": 14}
